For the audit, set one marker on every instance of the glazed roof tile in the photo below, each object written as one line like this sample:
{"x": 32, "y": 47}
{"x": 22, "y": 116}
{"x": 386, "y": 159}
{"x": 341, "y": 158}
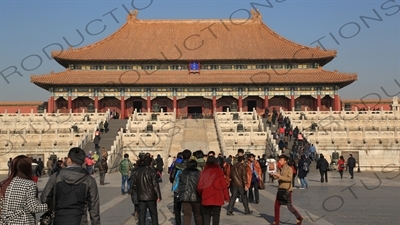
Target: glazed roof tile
{"x": 182, "y": 77}
{"x": 139, "y": 40}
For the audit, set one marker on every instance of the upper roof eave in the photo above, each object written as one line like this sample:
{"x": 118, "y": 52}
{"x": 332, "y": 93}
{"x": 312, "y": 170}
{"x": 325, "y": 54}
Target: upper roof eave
{"x": 102, "y": 50}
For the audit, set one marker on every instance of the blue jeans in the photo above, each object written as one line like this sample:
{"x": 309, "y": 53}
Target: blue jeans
{"x": 303, "y": 182}
{"x": 125, "y": 179}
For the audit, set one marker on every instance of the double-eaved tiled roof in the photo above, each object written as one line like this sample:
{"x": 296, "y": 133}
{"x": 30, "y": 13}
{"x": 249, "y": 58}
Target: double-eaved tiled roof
{"x": 231, "y": 39}
{"x": 182, "y": 77}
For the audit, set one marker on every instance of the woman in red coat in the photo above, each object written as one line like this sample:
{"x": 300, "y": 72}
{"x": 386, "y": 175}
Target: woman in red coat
{"x": 213, "y": 190}
{"x": 341, "y": 166}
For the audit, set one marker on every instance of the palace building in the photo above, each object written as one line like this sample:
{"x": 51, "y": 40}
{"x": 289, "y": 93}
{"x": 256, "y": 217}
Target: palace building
{"x": 193, "y": 66}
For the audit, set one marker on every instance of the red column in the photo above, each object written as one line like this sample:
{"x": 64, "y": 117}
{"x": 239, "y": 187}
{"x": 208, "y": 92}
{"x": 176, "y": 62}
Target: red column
{"x": 214, "y": 103}
{"x": 122, "y": 107}
{"x": 240, "y": 103}
{"x": 69, "y": 103}
{"x": 266, "y": 102}
{"x": 148, "y": 103}
{"x": 336, "y": 103}
{"x": 50, "y": 105}
{"x": 96, "y": 103}
{"x": 291, "y": 102}
{"x": 319, "y": 102}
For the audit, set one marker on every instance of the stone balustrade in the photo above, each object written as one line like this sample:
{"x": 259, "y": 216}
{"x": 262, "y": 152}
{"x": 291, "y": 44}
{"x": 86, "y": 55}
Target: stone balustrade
{"x": 159, "y": 126}
{"x": 342, "y": 115}
{"x": 247, "y": 125}
{"x": 253, "y": 138}
{"x": 52, "y": 117}
{"x": 44, "y": 127}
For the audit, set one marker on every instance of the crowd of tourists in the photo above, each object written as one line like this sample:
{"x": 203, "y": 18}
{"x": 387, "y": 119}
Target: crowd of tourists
{"x": 201, "y": 183}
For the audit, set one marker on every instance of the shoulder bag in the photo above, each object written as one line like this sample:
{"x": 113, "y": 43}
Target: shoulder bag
{"x": 48, "y": 217}
{"x": 283, "y": 195}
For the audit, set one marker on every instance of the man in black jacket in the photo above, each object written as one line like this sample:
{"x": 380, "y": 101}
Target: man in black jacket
{"x": 145, "y": 183}
{"x": 76, "y": 192}
{"x": 351, "y": 163}
{"x": 323, "y": 166}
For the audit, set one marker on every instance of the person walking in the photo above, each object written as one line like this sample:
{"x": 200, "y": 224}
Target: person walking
{"x": 103, "y": 169}
{"x": 238, "y": 186}
{"x": 213, "y": 191}
{"x": 284, "y": 177}
{"x": 159, "y": 165}
{"x": 303, "y": 171}
{"x": 18, "y": 193}
{"x": 187, "y": 191}
{"x": 341, "y": 166}
{"x": 146, "y": 185}
{"x": 323, "y": 166}
{"x": 9, "y": 163}
{"x": 351, "y": 163}
{"x": 134, "y": 199}
{"x": 125, "y": 167}
{"x": 89, "y": 164}
{"x": 254, "y": 176}
{"x": 96, "y": 142}
{"x": 263, "y": 165}
{"x": 41, "y": 166}
{"x": 49, "y": 165}
{"x": 179, "y": 165}
{"x": 76, "y": 193}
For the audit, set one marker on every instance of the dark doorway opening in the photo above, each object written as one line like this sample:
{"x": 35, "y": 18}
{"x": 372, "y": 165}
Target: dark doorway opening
{"x": 225, "y": 108}
{"x": 137, "y": 105}
{"x": 195, "y": 112}
{"x": 164, "y": 108}
{"x": 251, "y": 104}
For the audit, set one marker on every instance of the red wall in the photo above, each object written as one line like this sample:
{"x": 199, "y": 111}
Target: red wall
{"x": 14, "y": 109}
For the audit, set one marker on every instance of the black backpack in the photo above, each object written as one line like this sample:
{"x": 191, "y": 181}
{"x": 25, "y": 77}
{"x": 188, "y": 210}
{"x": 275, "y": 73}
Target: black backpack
{"x": 263, "y": 163}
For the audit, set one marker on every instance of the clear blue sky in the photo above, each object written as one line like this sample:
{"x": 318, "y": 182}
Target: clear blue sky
{"x": 26, "y": 27}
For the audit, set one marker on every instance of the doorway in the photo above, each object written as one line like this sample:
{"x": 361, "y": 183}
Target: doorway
{"x": 195, "y": 112}
{"x": 138, "y": 106}
{"x": 250, "y": 105}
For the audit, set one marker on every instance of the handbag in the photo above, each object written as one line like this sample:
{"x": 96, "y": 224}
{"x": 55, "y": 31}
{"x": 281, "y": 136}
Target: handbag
{"x": 261, "y": 185}
{"x": 48, "y": 217}
{"x": 283, "y": 195}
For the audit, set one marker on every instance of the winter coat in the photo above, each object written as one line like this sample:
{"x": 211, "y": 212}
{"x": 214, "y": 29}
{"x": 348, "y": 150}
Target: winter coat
{"x": 285, "y": 179}
{"x": 20, "y": 203}
{"x": 146, "y": 185}
{"x": 322, "y": 164}
{"x": 238, "y": 175}
{"x": 187, "y": 188}
{"x": 125, "y": 166}
{"x": 159, "y": 164}
{"x": 340, "y": 163}
{"x": 212, "y": 186}
{"x": 257, "y": 169}
{"x": 301, "y": 172}
{"x": 351, "y": 162}
{"x": 134, "y": 197}
{"x": 76, "y": 194}
{"x": 102, "y": 165}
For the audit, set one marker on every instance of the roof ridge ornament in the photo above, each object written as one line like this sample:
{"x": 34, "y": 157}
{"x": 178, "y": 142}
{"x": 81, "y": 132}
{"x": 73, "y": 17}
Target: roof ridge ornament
{"x": 132, "y": 16}
{"x": 256, "y": 15}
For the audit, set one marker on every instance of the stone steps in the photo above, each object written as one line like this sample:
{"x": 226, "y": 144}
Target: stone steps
{"x": 107, "y": 139}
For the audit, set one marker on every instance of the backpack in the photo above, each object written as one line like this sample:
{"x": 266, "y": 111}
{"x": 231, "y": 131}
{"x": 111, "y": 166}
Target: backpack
{"x": 305, "y": 167}
{"x": 294, "y": 170}
{"x": 263, "y": 163}
{"x": 176, "y": 181}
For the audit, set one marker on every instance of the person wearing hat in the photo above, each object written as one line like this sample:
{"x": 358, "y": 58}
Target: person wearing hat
{"x": 74, "y": 187}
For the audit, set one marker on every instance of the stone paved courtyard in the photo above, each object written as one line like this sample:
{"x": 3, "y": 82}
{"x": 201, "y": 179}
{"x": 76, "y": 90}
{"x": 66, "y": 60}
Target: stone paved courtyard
{"x": 370, "y": 198}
